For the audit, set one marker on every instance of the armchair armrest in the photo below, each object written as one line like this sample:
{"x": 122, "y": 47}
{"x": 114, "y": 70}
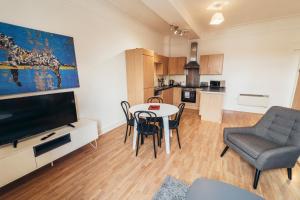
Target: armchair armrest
{"x": 242, "y": 130}
{"x": 282, "y": 157}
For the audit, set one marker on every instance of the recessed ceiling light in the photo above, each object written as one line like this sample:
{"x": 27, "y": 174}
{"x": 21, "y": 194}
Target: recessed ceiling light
{"x": 217, "y": 19}
{"x": 217, "y": 5}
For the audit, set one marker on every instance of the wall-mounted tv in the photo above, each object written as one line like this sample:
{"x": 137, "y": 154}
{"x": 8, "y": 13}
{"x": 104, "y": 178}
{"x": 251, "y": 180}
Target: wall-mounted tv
{"x": 26, "y": 116}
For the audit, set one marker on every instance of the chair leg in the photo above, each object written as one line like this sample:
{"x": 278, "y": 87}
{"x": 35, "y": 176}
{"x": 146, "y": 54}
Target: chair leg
{"x": 256, "y": 178}
{"x": 224, "y": 151}
{"x": 178, "y": 138}
{"x": 129, "y": 130}
{"x": 289, "y": 170}
{"x": 142, "y": 139}
{"x": 137, "y": 144}
{"x": 154, "y": 145}
{"x": 126, "y": 134}
{"x": 158, "y": 140}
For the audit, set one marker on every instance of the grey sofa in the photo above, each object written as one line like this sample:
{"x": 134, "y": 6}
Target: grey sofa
{"x": 274, "y": 142}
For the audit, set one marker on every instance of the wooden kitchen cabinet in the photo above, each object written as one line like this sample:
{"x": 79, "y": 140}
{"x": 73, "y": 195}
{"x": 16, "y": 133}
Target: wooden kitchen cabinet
{"x": 176, "y": 96}
{"x": 167, "y": 96}
{"x": 148, "y": 92}
{"x": 176, "y": 65}
{"x": 172, "y": 67}
{"x": 211, "y": 64}
{"x": 211, "y": 106}
{"x": 161, "y": 65}
{"x": 140, "y": 75}
{"x": 148, "y": 71}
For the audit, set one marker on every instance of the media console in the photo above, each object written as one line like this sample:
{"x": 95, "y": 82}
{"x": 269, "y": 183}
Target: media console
{"x": 43, "y": 149}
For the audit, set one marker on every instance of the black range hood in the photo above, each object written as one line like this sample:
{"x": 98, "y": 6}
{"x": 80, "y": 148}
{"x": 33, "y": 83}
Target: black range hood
{"x": 193, "y": 64}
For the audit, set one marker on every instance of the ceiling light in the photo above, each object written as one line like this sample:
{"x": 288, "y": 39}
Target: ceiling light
{"x": 173, "y": 28}
{"x": 217, "y": 19}
{"x": 177, "y": 31}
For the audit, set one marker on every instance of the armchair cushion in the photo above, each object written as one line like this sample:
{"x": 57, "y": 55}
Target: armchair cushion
{"x": 251, "y": 144}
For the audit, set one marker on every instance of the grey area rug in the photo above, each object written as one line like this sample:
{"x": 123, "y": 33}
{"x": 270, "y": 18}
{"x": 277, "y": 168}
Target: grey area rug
{"x": 171, "y": 189}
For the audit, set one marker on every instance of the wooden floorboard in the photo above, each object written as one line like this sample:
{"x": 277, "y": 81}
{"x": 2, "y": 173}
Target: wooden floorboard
{"x": 113, "y": 172}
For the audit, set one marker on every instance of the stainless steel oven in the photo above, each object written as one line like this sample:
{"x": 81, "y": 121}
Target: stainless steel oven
{"x": 188, "y": 95}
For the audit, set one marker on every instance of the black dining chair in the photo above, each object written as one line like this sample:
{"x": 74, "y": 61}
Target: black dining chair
{"x": 160, "y": 120}
{"x": 129, "y": 118}
{"x": 147, "y": 125}
{"x": 174, "y": 124}
{"x": 155, "y": 100}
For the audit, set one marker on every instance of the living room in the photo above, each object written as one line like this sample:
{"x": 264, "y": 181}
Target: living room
{"x": 259, "y": 62}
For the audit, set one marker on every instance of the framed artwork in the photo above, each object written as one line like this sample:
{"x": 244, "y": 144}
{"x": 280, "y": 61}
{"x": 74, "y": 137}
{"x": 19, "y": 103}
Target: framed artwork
{"x": 33, "y": 60}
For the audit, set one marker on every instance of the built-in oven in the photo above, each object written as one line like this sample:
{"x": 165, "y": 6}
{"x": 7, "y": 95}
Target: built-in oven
{"x": 188, "y": 95}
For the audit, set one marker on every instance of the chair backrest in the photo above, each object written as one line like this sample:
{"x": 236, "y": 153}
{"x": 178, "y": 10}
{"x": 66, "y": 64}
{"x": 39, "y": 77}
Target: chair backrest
{"x": 144, "y": 119}
{"x": 125, "y": 107}
{"x": 155, "y": 100}
{"x": 178, "y": 115}
{"x": 280, "y": 125}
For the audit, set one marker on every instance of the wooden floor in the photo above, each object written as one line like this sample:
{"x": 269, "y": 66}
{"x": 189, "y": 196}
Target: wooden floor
{"x": 113, "y": 171}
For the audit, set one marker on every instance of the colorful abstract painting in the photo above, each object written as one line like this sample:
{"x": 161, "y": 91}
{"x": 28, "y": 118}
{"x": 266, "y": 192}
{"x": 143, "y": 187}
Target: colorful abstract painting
{"x": 32, "y": 60}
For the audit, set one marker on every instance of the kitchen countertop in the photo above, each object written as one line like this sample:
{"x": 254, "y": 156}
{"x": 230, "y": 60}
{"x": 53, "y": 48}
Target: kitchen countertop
{"x": 201, "y": 89}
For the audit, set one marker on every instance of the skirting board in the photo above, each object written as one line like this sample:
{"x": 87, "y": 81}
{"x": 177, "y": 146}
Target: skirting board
{"x": 111, "y": 127}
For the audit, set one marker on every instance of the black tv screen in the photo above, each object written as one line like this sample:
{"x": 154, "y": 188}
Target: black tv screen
{"x": 27, "y": 116}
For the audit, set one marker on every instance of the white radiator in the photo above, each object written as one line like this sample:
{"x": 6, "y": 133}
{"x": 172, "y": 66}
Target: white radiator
{"x": 256, "y": 100}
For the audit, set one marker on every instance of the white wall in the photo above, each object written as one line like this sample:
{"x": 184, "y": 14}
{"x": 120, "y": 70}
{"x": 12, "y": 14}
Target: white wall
{"x": 259, "y": 59}
{"x": 101, "y": 34}
{"x": 176, "y": 46}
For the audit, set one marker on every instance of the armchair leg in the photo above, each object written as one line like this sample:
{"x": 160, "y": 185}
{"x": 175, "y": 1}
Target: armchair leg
{"x": 224, "y": 151}
{"x": 289, "y": 170}
{"x": 256, "y": 178}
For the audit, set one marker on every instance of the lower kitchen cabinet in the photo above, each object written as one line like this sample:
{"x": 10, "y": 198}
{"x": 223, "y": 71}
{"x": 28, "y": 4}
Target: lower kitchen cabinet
{"x": 176, "y": 96}
{"x": 167, "y": 96}
{"x": 211, "y": 106}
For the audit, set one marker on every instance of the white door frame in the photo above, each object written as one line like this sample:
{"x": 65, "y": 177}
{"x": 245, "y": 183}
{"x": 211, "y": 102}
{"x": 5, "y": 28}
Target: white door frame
{"x": 297, "y": 74}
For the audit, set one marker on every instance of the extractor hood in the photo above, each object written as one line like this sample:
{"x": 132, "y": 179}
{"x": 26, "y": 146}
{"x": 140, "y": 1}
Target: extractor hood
{"x": 193, "y": 64}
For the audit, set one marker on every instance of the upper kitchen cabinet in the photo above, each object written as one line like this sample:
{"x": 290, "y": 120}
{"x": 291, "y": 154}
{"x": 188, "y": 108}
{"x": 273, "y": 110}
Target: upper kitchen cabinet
{"x": 176, "y": 65}
{"x": 161, "y": 64}
{"x": 211, "y": 64}
{"x": 140, "y": 75}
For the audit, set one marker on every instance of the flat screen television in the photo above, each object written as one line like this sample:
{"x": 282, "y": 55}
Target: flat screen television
{"x": 27, "y": 116}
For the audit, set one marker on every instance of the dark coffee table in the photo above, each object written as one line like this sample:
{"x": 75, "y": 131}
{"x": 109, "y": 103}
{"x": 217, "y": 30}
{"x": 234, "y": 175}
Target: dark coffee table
{"x": 216, "y": 190}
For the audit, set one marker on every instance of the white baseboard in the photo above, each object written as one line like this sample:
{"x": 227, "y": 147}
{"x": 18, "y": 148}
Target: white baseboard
{"x": 110, "y": 127}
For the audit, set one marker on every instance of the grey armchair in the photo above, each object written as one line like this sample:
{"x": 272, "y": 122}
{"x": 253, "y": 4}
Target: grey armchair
{"x": 274, "y": 142}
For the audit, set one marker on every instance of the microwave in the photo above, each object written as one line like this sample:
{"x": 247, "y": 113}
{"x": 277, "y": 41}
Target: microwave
{"x": 217, "y": 84}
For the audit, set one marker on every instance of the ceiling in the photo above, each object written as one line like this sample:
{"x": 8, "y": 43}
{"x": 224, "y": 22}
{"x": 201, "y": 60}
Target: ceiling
{"x": 241, "y": 12}
{"x": 193, "y": 14}
{"x": 138, "y": 10}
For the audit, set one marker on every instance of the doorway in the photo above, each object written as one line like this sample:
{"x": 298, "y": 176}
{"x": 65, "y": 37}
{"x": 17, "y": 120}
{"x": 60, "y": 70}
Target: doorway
{"x": 296, "y": 99}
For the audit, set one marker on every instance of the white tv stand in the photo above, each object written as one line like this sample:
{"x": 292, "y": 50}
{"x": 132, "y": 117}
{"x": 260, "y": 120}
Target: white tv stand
{"x": 34, "y": 153}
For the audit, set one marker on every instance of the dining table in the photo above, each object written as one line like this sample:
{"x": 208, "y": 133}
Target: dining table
{"x": 165, "y": 111}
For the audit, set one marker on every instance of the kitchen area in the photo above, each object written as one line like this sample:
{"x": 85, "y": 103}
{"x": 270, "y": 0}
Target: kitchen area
{"x": 176, "y": 80}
